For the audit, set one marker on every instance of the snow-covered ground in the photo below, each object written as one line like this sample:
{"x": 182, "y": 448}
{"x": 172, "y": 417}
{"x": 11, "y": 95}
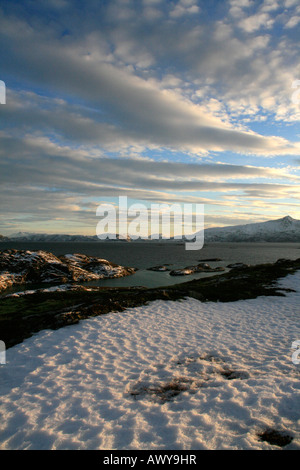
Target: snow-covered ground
{"x": 169, "y": 375}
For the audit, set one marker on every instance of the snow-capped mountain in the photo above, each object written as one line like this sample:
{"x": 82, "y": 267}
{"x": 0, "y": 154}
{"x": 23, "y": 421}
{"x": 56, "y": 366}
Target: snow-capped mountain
{"x": 57, "y": 237}
{"x": 44, "y": 237}
{"x": 286, "y": 229}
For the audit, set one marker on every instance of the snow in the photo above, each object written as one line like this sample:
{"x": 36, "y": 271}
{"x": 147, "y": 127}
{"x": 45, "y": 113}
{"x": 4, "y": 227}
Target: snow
{"x": 30, "y": 256}
{"x": 59, "y": 288}
{"x": 102, "y": 384}
{"x": 282, "y": 229}
{"x": 71, "y": 257}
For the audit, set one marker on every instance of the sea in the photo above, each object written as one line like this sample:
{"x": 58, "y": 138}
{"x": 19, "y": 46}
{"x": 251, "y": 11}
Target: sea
{"x": 144, "y": 255}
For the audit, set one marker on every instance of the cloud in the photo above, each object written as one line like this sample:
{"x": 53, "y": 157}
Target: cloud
{"x": 292, "y": 22}
{"x": 184, "y": 7}
{"x": 233, "y": 66}
{"x": 63, "y": 171}
{"x": 135, "y": 111}
{"x": 142, "y": 82}
{"x": 255, "y": 22}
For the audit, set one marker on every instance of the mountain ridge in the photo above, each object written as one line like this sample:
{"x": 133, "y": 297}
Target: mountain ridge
{"x": 285, "y": 229}
{"x": 279, "y": 230}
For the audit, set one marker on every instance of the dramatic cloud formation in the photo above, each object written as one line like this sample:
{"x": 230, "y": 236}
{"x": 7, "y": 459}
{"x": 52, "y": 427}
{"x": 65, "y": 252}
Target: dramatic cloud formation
{"x": 187, "y": 101}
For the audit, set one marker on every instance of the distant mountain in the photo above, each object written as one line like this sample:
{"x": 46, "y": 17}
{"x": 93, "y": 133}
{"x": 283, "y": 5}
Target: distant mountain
{"x": 44, "y": 237}
{"x": 286, "y": 229}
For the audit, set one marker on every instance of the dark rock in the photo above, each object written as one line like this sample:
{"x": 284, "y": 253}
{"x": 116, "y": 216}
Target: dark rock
{"x": 199, "y": 268}
{"x": 182, "y": 272}
{"x": 237, "y": 265}
{"x": 210, "y": 259}
{"x": 275, "y": 438}
{"x": 159, "y": 268}
{"x": 20, "y": 267}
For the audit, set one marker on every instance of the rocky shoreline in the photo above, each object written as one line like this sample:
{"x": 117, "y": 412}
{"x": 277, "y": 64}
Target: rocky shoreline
{"x": 188, "y": 270}
{"x": 199, "y": 268}
{"x": 23, "y": 315}
{"x": 28, "y": 267}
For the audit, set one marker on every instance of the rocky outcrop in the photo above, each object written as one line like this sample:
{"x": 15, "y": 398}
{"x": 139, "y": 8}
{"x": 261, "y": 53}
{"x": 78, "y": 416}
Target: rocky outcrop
{"x": 237, "y": 265}
{"x": 22, "y": 267}
{"x": 159, "y": 268}
{"x": 199, "y": 268}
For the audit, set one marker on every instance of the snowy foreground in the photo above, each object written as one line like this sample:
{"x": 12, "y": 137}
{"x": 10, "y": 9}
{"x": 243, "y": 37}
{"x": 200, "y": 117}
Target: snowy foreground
{"x": 169, "y": 375}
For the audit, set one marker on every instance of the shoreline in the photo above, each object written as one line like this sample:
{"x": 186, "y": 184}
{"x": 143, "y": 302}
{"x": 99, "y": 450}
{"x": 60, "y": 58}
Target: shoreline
{"x": 22, "y": 317}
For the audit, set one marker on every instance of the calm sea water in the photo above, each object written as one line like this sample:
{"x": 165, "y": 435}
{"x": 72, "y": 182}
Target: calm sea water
{"x": 145, "y": 255}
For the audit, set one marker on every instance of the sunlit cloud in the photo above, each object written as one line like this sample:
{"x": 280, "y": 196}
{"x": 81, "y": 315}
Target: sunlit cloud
{"x": 161, "y": 101}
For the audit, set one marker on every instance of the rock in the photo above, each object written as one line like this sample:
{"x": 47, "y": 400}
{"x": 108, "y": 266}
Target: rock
{"x": 158, "y": 268}
{"x": 237, "y": 265}
{"x": 182, "y": 272}
{"x": 210, "y": 259}
{"x": 275, "y": 438}
{"x": 21, "y": 267}
{"x": 202, "y": 267}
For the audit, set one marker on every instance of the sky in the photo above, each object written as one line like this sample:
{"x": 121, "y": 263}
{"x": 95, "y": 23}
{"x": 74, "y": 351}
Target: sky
{"x": 184, "y": 101}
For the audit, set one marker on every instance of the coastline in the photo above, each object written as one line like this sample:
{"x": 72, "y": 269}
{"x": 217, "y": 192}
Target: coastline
{"x": 24, "y": 316}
